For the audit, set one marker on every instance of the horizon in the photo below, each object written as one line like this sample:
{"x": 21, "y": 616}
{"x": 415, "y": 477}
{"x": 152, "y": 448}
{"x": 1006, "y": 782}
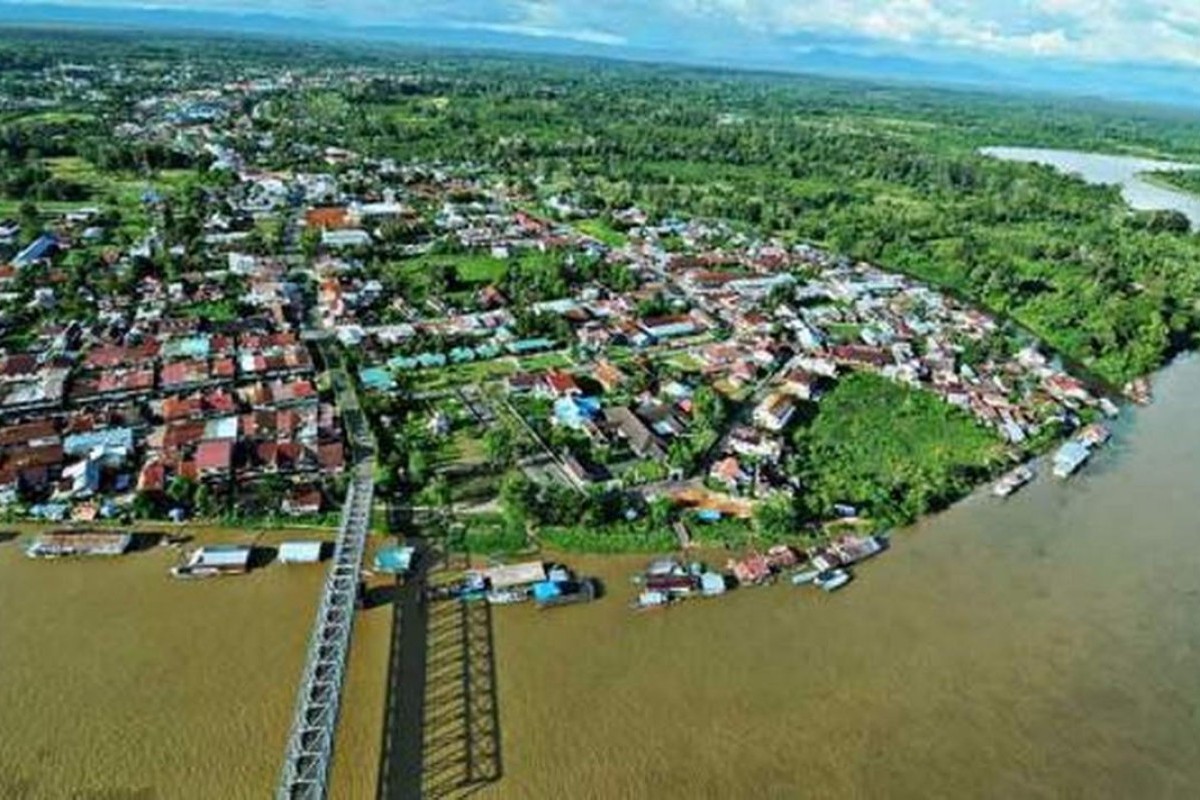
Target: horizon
{"x": 1162, "y": 77}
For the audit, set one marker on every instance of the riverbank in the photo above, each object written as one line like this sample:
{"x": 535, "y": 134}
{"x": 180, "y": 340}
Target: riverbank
{"x": 1041, "y": 646}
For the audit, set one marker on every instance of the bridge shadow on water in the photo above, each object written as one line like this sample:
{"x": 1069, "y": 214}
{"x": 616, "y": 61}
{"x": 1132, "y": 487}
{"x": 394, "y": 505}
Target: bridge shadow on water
{"x": 441, "y": 737}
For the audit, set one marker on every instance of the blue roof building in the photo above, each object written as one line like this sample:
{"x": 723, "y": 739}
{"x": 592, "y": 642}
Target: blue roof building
{"x": 526, "y": 346}
{"x": 41, "y": 247}
{"x": 575, "y": 412}
{"x": 110, "y": 438}
{"x": 377, "y": 379}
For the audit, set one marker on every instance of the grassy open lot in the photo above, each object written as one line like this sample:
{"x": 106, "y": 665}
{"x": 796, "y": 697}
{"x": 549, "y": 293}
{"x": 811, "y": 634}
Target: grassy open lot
{"x": 603, "y": 231}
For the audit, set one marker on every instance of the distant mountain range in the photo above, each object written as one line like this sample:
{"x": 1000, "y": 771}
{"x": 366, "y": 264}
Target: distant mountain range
{"x": 1139, "y": 83}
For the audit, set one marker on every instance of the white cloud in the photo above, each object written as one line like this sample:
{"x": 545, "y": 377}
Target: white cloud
{"x": 1086, "y": 30}
{"x": 587, "y": 35}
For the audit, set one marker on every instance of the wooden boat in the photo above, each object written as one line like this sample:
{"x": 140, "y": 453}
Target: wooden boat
{"x": 1069, "y": 458}
{"x": 564, "y": 593}
{"x": 506, "y": 597}
{"x": 1094, "y": 435}
{"x": 832, "y": 580}
{"x": 853, "y": 549}
{"x": 214, "y": 561}
{"x": 651, "y": 598}
{"x": 806, "y": 577}
{"x": 1013, "y": 481}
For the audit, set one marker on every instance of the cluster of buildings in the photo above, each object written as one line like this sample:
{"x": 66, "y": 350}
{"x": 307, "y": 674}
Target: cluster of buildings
{"x": 204, "y": 372}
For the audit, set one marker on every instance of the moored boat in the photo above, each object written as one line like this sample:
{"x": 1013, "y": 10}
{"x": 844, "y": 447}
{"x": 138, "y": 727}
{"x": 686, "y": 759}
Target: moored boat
{"x": 1094, "y": 435}
{"x": 1070, "y": 457}
{"x": 832, "y": 580}
{"x": 853, "y": 549}
{"x": 1013, "y": 481}
{"x": 505, "y": 597}
{"x": 550, "y": 594}
{"x": 213, "y": 561}
{"x": 651, "y": 598}
{"x": 806, "y": 577}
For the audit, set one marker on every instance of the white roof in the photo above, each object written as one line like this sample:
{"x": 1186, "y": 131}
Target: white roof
{"x": 222, "y": 556}
{"x": 300, "y": 552}
{"x": 509, "y": 575}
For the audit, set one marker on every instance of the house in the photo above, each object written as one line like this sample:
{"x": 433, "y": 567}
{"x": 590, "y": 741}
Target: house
{"x": 642, "y": 441}
{"x": 775, "y": 412}
{"x": 522, "y": 382}
{"x": 331, "y": 456}
{"x": 575, "y": 412}
{"x": 327, "y": 218}
{"x": 350, "y": 237}
{"x": 303, "y": 499}
{"x": 214, "y": 458}
{"x": 557, "y": 383}
{"x": 608, "y": 376}
{"x": 747, "y": 441}
{"x": 41, "y": 248}
{"x": 668, "y": 327}
{"x": 583, "y": 473}
{"x": 729, "y": 473}
{"x": 802, "y": 384}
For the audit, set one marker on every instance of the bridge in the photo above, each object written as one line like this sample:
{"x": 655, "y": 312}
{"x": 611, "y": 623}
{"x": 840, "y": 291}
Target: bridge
{"x": 309, "y": 753}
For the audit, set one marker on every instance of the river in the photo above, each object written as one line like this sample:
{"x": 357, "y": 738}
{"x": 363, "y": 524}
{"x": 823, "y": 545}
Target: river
{"x": 1123, "y": 171}
{"x": 1043, "y": 646}
{"x": 119, "y": 683}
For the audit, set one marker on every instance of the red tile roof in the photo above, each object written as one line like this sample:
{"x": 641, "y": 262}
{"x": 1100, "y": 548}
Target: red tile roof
{"x": 214, "y": 456}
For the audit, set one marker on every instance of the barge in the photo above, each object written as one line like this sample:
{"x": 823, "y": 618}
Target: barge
{"x": 61, "y": 544}
{"x": 214, "y": 561}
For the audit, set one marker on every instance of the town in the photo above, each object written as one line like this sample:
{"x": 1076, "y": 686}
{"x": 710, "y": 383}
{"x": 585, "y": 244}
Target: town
{"x": 469, "y": 411}
{"x": 521, "y": 352}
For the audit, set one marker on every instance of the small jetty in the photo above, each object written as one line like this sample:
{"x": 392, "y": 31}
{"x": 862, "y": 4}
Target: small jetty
{"x": 61, "y": 544}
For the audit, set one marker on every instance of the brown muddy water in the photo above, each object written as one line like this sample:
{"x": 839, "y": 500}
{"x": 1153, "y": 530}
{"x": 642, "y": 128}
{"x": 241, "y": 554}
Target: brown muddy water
{"x": 1047, "y": 646}
{"x": 118, "y": 682}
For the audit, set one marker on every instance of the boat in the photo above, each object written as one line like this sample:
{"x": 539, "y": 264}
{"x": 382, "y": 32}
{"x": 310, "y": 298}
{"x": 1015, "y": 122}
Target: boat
{"x": 1070, "y": 457}
{"x": 853, "y": 549}
{"x": 506, "y": 597}
{"x": 1094, "y": 435}
{"x": 1013, "y": 481}
{"x": 550, "y": 594}
{"x": 60, "y": 544}
{"x": 651, "y": 598}
{"x": 213, "y": 561}
{"x": 1139, "y": 391}
{"x": 806, "y": 577}
{"x": 1109, "y": 408}
{"x": 832, "y": 580}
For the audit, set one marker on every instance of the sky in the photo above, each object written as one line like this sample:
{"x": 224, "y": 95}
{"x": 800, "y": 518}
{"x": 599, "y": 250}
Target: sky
{"x": 1087, "y": 31}
{"x": 1117, "y": 41}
